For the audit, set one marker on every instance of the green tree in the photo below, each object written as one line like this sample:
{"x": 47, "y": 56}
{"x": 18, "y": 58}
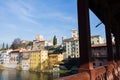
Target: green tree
{"x": 3, "y": 46}
{"x": 54, "y": 40}
{"x": 16, "y": 43}
{"x": 7, "y": 46}
{"x": 30, "y": 43}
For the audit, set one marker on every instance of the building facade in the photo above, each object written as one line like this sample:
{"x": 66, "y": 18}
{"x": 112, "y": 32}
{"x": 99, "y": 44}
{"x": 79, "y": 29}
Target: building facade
{"x": 72, "y": 44}
{"x": 15, "y": 58}
{"x": 97, "y": 39}
{"x": 39, "y": 43}
{"x": 99, "y": 54}
{"x": 5, "y": 58}
{"x": 55, "y": 59}
{"x": 72, "y": 48}
{"x": 38, "y": 60}
{"x": 25, "y": 63}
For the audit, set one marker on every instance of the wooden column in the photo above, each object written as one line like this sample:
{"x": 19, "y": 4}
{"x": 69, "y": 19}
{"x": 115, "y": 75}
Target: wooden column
{"x": 84, "y": 35}
{"x": 117, "y": 44}
{"x": 107, "y": 18}
{"x": 117, "y": 48}
{"x": 109, "y": 44}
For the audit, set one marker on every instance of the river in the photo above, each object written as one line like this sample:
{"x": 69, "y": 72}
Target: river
{"x": 12, "y": 74}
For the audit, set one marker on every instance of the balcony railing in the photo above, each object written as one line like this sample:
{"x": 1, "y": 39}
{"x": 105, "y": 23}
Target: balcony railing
{"x": 108, "y": 72}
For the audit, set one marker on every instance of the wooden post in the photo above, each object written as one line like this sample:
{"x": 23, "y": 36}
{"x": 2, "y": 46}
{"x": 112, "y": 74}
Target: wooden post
{"x": 108, "y": 36}
{"x": 117, "y": 45}
{"x": 84, "y": 35}
{"x": 109, "y": 44}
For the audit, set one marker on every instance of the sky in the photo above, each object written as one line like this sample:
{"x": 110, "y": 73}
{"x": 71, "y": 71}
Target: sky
{"x": 25, "y": 19}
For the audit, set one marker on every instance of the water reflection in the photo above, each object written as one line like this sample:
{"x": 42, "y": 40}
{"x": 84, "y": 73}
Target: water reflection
{"x": 12, "y": 74}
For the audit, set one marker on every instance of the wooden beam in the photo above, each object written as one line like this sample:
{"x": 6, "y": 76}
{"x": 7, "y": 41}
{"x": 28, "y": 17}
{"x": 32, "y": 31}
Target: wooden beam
{"x": 84, "y": 35}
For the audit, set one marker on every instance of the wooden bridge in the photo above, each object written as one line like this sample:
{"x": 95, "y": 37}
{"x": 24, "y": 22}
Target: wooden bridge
{"x": 108, "y": 11}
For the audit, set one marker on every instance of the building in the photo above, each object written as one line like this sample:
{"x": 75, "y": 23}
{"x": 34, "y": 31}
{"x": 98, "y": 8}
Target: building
{"x": 1, "y": 57}
{"x": 99, "y": 54}
{"x": 40, "y": 44}
{"x": 38, "y": 60}
{"x": 55, "y": 59}
{"x": 15, "y": 58}
{"x": 74, "y": 33}
{"x": 25, "y": 63}
{"x": 97, "y": 39}
{"x": 72, "y": 46}
{"x": 5, "y": 58}
{"x": 39, "y": 38}
{"x": 48, "y": 43}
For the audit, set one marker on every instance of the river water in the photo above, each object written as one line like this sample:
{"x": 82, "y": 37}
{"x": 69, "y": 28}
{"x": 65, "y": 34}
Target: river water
{"x": 12, "y": 74}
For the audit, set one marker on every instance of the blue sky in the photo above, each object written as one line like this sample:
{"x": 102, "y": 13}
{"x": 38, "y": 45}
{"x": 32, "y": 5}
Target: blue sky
{"x": 25, "y": 19}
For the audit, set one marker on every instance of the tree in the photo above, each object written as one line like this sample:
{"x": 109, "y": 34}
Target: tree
{"x": 30, "y": 43}
{"x": 54, "y": 40}
{"x": 7, "y": 46}
{"x": 3, "y": 46}
{"x": 16, "y": 43}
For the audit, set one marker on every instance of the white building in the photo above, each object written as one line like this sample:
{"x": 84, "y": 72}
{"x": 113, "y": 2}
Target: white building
{"x": 72, "y": 46}
{"x": 74, "y": 33}
{"x": 1, "y": 57}
{"x": 5, "y": 58}
{"x": 39, "y": 38}
{"x": 48, "y": 43}
{"x": 97, "y": 39}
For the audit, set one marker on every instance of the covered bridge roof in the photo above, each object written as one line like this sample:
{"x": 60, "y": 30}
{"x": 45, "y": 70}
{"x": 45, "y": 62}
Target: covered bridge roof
{"x": 107, "y": 9}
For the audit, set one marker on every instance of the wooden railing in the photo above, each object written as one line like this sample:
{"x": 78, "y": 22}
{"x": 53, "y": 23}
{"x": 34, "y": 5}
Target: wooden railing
{"x": 99, "y": 73}
{"x": 109, "y": 72}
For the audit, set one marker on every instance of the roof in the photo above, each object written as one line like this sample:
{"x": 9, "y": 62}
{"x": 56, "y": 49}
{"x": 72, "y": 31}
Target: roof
{"x": 95, "y": 36}
{"x": 53, "y": 55}
{"x": 70, "y": 39}
{"x": 35, "y": 51}
{"x": 15, "y": 51}
{"x": 107, "y": 9}
{"x": 99, "y": 45}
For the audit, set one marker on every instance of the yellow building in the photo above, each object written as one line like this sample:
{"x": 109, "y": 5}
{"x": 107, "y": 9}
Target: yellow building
{"x": 55, "y": 59}
{"x": 38, "y": 60}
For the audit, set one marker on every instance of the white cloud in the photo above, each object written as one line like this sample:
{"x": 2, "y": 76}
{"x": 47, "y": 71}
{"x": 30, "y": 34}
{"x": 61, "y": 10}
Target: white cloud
{"x": 22, "y": 10}
{"x": 35, "y": 19}
{"x": 59, "y": 16}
